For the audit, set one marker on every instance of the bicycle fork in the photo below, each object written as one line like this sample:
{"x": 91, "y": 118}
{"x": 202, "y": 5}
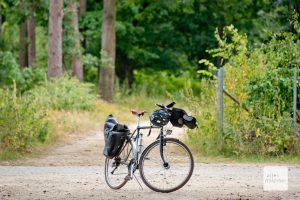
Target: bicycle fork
{"x": 161, "y": 145}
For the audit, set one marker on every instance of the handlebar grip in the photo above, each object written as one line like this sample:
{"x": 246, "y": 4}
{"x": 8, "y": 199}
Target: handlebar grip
{"x": 160, "y": 105}
{"x": 171, "y": 104}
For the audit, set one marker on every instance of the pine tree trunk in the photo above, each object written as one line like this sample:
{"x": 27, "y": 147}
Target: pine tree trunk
{"x": 23, "y": 59}
{"x": 108, "y": 48}
{"x": 124, "y": 68}
{"x": 31, "y": 40}
{"x": 82, "y": 7}
{"x": 23, "y": 53}
{"x": 82, "y": 10}
{"x": 55, "y": 39}
{"x": 77, "y": 68}
{"x": 0, "y": 31}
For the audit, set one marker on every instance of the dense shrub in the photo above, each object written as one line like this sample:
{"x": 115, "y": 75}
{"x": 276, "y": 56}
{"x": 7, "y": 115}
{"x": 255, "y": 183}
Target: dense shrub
{"x": 154, "y": 83}
{"x": 91, "y": 65}
{"x": 10, "y": 72}
{"x": 65, "y": 94}
{"x": 9, "y": 69}
{"x": 261, "y": 78}
{"x": 206, "y": 139}
{"x": 22, "y": 121}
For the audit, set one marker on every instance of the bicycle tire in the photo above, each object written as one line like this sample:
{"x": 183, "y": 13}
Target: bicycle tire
{"x": 116, "y": 169}
{"x": 172, "y": 149}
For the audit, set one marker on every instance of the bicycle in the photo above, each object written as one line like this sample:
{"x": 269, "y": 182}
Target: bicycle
{"x": 165, "y": 165}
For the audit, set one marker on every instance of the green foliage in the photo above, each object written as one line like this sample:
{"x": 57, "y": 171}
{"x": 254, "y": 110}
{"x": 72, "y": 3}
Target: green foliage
{"x": 65, "y": 94}
{"x": 262, "y": 79}
{"x": 90, "y": 25}
{"x": 10, "y": 72}
{"x": 205, "y": 140}
{"x": 9, "y": 69}
{"x": 22, "y": 121}
{"x": 162, "y": 83}
{"x": 91, "y": 65}
{"x": 272, "y": 93}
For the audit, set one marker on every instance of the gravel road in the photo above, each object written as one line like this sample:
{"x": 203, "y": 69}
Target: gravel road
{"x": 75, "y": 171}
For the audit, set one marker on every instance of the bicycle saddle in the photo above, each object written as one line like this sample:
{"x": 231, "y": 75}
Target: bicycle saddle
{"x": 137, "y": 112}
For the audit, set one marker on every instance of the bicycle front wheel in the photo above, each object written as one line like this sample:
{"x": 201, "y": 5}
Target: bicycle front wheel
{"x": 169, "y": 176}
{"x": 116, "y": 169}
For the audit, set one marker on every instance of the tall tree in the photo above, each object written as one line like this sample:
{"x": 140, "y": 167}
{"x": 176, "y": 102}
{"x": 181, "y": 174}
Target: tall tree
{"x": 55, "y": 39}
{"x": 31, "y": 34}
{"x": 27, "y": 34}
{"x": 82, "y": 7}
{"x": 77, "y": 68}
{"x": 0, "y": 29}
{"x": 23, "y": 52}
{"x": 82, "y": 10}
{"x": 108, "y": 50}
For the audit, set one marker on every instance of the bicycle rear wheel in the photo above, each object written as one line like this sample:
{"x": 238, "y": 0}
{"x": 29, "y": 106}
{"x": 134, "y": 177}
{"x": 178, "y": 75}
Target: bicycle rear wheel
{"x": 170, "y": 177}
{"x": 116, "y": 169}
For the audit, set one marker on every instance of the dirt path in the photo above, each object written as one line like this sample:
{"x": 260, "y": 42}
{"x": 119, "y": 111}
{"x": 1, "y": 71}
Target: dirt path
{"x": 75, "y": 171}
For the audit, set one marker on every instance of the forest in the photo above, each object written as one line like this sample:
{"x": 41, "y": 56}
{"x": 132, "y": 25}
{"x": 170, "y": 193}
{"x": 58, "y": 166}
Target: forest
{"x": 66, "y": 64}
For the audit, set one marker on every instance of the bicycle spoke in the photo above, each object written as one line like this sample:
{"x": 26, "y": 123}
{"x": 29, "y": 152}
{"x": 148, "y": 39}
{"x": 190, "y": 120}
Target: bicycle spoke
{"x": 166, "y": 178}
{"x": 116, "y": 169}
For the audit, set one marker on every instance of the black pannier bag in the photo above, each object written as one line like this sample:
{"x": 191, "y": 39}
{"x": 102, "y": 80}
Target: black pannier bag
{"x": 179, "y": 118}
{"x": 114, "y": 136}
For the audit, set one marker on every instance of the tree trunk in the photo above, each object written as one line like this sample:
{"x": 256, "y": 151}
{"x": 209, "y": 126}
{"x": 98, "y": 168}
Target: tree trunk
{"x": 55, "y": 39}
{"x": 82, "y": 10}
{"x": 31, "y": 40}
{"x": 108, "y": 48}
{"x": 77, "y": 68}
{"x": 23, "y": 58}
{"x": 82, "y": 7}
{"x": 0, "y": 31}
{"x": 124, "y": 68}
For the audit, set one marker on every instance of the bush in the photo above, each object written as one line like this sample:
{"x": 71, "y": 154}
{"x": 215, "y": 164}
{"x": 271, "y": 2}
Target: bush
{"x": 65, "y": 94}
{"x": 25, "y": 79}
{"x": 157, "y": 84}
{"x": 22, "y": 121}
{"x": 206, "y": 139}
{"x": 261, "y": 79}
{"x": 91, "y": 65}
{"x": 9, "y": 69}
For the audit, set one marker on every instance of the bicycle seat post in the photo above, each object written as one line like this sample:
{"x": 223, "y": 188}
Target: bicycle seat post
{"x": 138, "y": 122}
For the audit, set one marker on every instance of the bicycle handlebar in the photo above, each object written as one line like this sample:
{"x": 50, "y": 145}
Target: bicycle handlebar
{"x": 170, "y": 105}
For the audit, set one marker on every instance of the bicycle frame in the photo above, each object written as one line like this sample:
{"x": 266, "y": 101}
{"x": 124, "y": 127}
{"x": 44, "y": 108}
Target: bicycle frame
{"x": 134, "y": 140}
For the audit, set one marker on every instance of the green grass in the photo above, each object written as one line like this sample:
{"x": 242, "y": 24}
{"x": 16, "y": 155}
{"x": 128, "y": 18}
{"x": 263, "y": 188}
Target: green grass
{"x": 10, "y": 155}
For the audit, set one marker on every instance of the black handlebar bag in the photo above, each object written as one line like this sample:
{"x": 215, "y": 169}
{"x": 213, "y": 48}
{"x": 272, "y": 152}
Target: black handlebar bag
{"x": 114, "y": 136}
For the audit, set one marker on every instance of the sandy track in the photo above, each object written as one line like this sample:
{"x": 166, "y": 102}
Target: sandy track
{"x": 209, "y": 181}
{"x": 75, "y": 171}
